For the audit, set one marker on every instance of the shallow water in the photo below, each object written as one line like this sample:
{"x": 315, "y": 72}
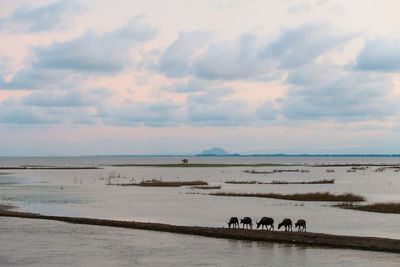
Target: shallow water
{"x": 48, "y": 243}
{"x": 85, "y": 193}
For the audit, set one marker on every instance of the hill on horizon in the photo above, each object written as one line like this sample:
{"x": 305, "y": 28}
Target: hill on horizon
{"x": 214, "y": 151}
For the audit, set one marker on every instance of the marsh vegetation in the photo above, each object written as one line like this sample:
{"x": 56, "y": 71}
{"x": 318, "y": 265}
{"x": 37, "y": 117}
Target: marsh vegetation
{"x": 38, "y": 167}
{"x": 202, "y": 165}
{"x": 207, "y": 187}
{"x": 160, "y": 183}
{"x": 324, "y": 181}
{"x": 388, "y": 207}
{"x": 318, "y": 196}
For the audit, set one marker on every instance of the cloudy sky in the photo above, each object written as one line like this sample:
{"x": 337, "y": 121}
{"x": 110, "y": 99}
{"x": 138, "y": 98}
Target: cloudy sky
{"x": 174, "y": 77}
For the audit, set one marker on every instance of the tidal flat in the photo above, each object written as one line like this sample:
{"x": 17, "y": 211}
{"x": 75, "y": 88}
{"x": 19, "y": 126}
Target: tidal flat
{"x": 301, "y": 238}
{"x": 85, "y": 193}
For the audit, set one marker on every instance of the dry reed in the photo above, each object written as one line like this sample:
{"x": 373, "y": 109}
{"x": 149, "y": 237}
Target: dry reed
{"x": 318, "y": 196}
{"x": 388, "y": 207}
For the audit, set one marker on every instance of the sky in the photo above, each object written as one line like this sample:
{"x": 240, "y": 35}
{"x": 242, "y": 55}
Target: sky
{"x": 96, "y": 77}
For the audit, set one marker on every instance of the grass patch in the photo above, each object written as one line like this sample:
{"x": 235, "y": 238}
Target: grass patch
{"x": 257, "y": 172}
{"x": 206, "y": 187}
{"x": 242, "y": 182}
{"x": 201, "y": 165}
{"x": 354, "y": 165}
{"x": 275, "y": 171}
{"x": 280, "y": 171}
{"x": 388, "y": 207}
{"x": 6, "y": 207}
{"x": 325, "y": 181}
{"x": 159, "y": 183}
{"x": 36, "y": 167}
{"x": 348, "y": 197}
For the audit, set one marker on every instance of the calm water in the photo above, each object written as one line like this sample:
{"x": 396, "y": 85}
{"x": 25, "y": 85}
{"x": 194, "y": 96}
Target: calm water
{"x": 48, "y": 243}
{"x": 85, "y": 193}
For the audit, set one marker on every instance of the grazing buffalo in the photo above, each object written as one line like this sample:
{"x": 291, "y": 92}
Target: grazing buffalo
{"x": 234, "y": 222}
{"x": 267, "y": 221}
{"x": 247, "y": 221}
{"x": 301, "y": 224}
{"x": 287, "y": 223}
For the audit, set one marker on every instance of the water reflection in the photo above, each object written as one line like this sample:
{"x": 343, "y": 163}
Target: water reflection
{"x": 40, "y": 242}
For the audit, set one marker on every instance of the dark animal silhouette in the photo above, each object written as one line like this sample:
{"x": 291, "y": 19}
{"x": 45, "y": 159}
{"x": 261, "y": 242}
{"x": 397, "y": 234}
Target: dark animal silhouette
{"x": 287, "y": 223}
{"x": 185, "y": 161}
{"x": 267, "y": 221}
{"x": 234, "y": 222}
{"x": 247, "y": 221}
{"x": 301, "y": 224}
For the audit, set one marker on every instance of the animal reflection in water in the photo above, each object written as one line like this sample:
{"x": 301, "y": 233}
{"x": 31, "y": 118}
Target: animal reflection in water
{"x": 234, "y": 222}
{"x": 247, "y": 221}
{"x": 301, "y": 224}
{"x": 266, "y": 221}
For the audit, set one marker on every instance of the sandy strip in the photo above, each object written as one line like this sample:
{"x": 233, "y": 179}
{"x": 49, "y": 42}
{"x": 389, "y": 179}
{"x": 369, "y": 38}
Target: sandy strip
{"x": 310, "y": 239}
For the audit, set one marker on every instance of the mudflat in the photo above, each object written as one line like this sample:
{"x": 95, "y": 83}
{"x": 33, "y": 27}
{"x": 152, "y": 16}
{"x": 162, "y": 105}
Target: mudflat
{"x": 301, "y": 238}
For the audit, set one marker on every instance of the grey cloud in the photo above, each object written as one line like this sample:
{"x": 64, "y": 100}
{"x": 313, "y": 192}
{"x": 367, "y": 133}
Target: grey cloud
{"x": 356, "y": 96}
{"x": 5, "y": 67}
{"x": 63, "y": 64}
{"x": 314, "y": 75}
{"x": 72, "y": 98}
{"x": 73, "y": 114}
{"x": 211, "y": 108}
{"x": 267, "y": 111}
{"x": 54, "y": 107}
{"x": 379, "y": 55}
{"x": 142, "y": 113}
{"x": 176, "y": 59}
{"x": 43, "y": 18}
{"x": 30, "y": 78}
{"x": 302, "y": 45}
{"x": 231, "y": 61}
{"x": 12, "y": 112}
{"x": 193, "y": 85}
{"x": 251, "y": 57}
{"x": 104, "y": 53}
{"x": 17, "y": 113}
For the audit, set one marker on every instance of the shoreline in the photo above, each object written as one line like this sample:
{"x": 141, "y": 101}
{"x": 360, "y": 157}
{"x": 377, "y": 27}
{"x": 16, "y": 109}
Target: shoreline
{"x": 296, "y": 238}
{"x": 50, "y": 168}
{"x": 204, "y": 165}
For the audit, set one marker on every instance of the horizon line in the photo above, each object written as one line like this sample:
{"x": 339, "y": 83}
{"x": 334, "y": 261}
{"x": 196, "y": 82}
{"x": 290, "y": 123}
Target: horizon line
{"x": 226, "y": 155}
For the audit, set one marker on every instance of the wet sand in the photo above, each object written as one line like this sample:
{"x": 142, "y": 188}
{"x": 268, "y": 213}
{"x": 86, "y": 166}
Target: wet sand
{"x": 310, "y": 239}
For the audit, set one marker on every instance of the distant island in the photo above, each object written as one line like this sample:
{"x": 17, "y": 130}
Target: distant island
{"x": 215, "y": 151}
